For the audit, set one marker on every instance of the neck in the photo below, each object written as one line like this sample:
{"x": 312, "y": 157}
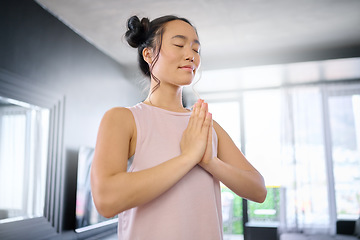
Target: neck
{"x": 166, "y": 96}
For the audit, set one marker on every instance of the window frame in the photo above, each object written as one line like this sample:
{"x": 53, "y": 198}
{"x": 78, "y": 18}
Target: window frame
{"x": 16, "y": 87}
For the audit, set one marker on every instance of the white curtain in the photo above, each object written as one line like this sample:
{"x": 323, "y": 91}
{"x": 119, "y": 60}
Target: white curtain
{"x": 284, "y": 139}
{"x": 23, "y": 150}
{"x": 12, "y": 158}
{"x": 304, "y": 163}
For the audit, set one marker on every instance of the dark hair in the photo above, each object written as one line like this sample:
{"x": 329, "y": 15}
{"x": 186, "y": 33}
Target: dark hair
{"x": 145, "y": 34}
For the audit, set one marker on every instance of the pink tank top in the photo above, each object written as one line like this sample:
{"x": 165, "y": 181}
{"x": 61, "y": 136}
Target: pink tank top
{"x": 191, "y": 209}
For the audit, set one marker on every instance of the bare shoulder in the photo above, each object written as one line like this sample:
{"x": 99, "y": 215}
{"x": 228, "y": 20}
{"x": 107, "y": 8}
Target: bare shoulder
{"x": 118, "y": 112}
{"x": 119, "y": 116}
{"x": 115, "y": 135}
{"x": 218, "y": 129}
{"x": 118, "y": 120}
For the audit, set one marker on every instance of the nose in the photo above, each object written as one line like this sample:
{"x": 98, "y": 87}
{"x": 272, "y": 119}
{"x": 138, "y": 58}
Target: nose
{"x": 190, "y": 56}
{"x": 191, "y": 59}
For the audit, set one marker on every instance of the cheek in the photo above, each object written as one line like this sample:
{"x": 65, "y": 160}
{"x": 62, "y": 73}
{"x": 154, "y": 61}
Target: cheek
{"x": 198, "y": 58}
{"x": 168, "y": 59}
{"x": 173, "y": 58}
{"x": 197, "y": 61}
{"x": 163, "y": 66}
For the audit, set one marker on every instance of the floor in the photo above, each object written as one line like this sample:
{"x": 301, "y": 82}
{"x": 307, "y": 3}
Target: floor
{"x": 226, "y": 237}
{"x": 111, "y": 237}
{"x": 233, "y": 237}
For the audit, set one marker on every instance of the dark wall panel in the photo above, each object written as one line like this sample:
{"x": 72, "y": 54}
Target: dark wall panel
{"x": 39, "y": 48}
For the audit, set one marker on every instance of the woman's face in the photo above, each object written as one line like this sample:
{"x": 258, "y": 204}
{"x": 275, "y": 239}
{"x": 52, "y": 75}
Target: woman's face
{"x": 179, "y": 56}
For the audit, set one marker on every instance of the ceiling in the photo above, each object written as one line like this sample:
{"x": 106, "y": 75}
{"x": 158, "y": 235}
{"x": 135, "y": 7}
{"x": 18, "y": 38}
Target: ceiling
{"x": 233, "y": 33}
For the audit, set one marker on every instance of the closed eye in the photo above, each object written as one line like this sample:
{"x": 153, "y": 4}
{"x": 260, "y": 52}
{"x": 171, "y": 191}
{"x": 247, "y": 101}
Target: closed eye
{"x": 180, "y": 46}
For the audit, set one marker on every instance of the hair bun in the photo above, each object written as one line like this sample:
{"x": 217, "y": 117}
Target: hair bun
{"x": 137, "y": 31}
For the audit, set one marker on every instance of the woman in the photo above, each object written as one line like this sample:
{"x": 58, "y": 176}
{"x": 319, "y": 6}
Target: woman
{"x": 171, "y": 190}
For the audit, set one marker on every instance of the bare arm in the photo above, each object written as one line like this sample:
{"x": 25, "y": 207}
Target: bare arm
{"x": 233, "y": 169}
{"x": 115, "y": 190}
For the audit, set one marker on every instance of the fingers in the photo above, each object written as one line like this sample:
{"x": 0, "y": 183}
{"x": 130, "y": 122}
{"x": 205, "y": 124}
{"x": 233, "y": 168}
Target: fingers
{"x": 194, "y": 114}
{"x": 201, "y": 115}
{"x": 195, "y": 120}
{"x": 196, "y": 138}
{"x": 207, "y": 125}
{"x": 208, "y": 151}
{"x": 198, "y": 106}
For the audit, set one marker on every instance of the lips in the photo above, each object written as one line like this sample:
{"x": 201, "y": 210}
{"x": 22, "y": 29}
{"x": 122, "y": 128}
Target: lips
{"x": 189, "y": 68}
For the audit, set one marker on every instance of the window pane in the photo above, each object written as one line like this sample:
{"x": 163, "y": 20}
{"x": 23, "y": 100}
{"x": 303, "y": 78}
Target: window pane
{"x": 269, "y": 210}
{"x": 262, "y": 116}
{"x": 263, "y": 149}
{"x": 232, "y": 214}
{"x": 308, "y": 194}
{"x": 284, "y": 140}
{"x": 228, "y": 116}
{"x": 23, "y": 158}
{"x": 345, "y": 130}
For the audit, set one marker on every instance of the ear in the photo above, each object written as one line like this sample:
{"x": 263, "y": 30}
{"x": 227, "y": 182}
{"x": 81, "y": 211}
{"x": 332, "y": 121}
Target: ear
{"x": 147, "y": 55}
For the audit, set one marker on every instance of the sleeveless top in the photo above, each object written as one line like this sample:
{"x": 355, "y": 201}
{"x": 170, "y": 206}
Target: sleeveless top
{"x": 191, "y": 209}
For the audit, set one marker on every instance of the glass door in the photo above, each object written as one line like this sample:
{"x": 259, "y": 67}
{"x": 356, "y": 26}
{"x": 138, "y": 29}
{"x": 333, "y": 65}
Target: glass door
{"x": 344, "y": 120}
{"x": 263, "y": 129}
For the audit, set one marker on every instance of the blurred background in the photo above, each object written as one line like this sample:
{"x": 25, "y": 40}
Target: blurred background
{"x": 281, "y": 77}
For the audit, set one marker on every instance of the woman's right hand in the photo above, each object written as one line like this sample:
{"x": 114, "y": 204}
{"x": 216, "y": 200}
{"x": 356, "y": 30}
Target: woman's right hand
{"x": 195, "y": 136}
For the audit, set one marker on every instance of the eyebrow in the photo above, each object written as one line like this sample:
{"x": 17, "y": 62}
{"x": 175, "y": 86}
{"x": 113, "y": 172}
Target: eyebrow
{"x": 185, "y": 38}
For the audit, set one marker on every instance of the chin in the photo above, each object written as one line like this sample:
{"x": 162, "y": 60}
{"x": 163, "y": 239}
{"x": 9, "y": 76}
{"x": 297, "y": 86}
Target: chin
{"x": 183, "y": 80}
{"x": 186, "y": 82}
